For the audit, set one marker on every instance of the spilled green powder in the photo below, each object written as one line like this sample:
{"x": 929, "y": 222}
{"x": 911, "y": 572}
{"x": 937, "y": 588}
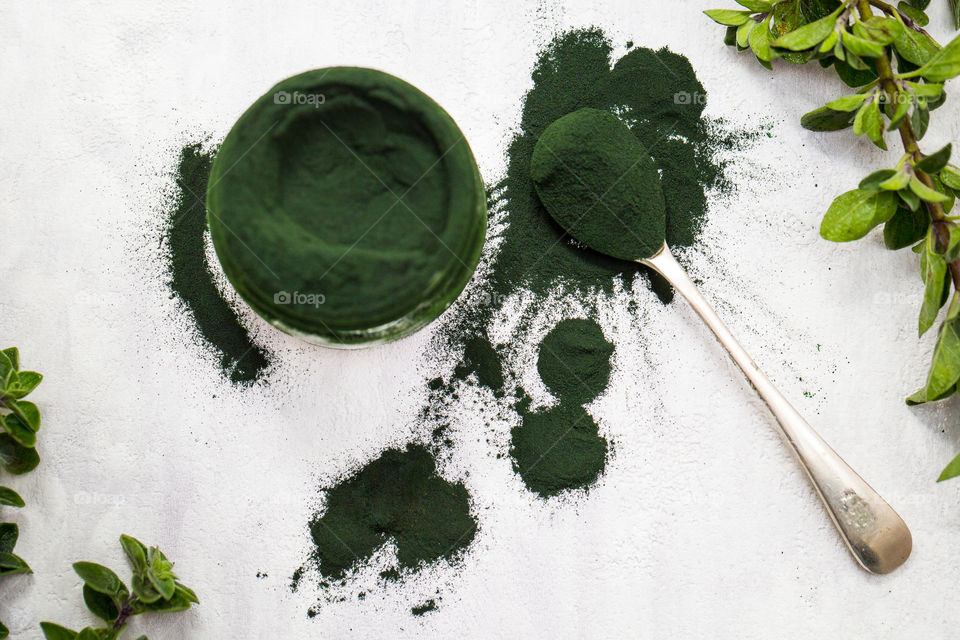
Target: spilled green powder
{"x": 191, "y": 280}
{"x": 397, "y": 497}
{"x": 600, "y": 184}
{"x": 561, "y": 448}
{"x": 658, "y": 95}
{"x": 425, "y": 608}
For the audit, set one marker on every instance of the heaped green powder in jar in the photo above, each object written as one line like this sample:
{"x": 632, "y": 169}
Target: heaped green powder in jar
{"x": 346, "y": 207}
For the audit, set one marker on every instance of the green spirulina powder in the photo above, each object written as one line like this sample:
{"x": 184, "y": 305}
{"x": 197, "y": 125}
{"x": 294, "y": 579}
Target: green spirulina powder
{"x": 561, "y": 448}
{"x": 191, "y": 279}
{"x": 346, "y": 207}
{"x": 532, "y": 253}
{"x": 600, "y": 184}
{"x": 397, "y": 497}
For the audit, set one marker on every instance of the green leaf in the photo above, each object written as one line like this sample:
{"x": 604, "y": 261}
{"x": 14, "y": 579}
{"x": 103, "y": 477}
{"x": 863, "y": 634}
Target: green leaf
{"x": 4, "y": 632}
{"x": 854, "y": 213}
{"x": 920, "y": 4}
{"x": 875, "y": 179}
{"x": 914, "y": 46}
{"x": 899, "y": 180}
{"x": 933, "y": 269}
{"x": 10, "y": 498}
{"x": 180, "y": 600}
{"x": 15, "y": 458}
{"x": 13, "y": 355}
{"x": 26, "y": 411}
{"x": 945, "y": 369}
{"x": 920, "y": 120}
{"x": 926, "y": 89}
{"x": 944, "y": 65}
{"x": 728, "y": 17}
{"x": 88, "y": 634}
{"x": 9, "y": 533}
{"x": 952, "y": 470}
{"x": 935, "y": 161}
{"x": 861, "y": 47}
{"x": 19, "y": 431}
{"x": 757, "y": 6}
{"x": 955, "y": 11}
{"x": 53, "y": 631}
{"x": 136, "y": 553}
{"x": 879, "y": 30}
{"x": 853, "y": 77}
{"x": 26, "y": 382}
{"x": 829, "y": 43}
{"x": 100, "y": 604}
{"x": 869, "y": 120}
{"x": 10, "y": 564}
{"x": 905, "y": 228}
{"x": 743, "y": 33}
{"x": 730, "y": 37}
{"x": 809, "y": 35}
{"x": 100, "y": 578}
{"x": 7, "y": 370}
{"x": 188, "y": 593}
{"x": 917, "y": 15}
{"x": 926, "y": 193}
{"x": 848, "y": 103}
{"x": 904, "y": 102}
{"x": 760, "y": 43}
{"x": 910, "y": 199}
{"x": 826, "y": 119}
{"x": 950, "y": 177}
{"x": 144, "y": 589}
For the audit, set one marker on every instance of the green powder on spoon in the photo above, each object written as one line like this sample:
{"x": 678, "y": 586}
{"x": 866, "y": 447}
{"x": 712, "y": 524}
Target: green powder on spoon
{"x": 600, "y": 184}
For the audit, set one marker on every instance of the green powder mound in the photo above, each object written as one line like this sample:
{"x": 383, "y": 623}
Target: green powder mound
{"x": 366, "y": 197}
{"x": 397, "y": 497}
{"x": 561, "y": 448}
{"x": 574, "y": 361}
{"x": 191, "y": 279}
{"x": 658, "y": 95}
{"x": 600, "y": 184}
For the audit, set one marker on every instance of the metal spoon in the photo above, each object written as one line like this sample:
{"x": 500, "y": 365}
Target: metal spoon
{"x": 599, "y": 184}
{"x": 875, "y": 534}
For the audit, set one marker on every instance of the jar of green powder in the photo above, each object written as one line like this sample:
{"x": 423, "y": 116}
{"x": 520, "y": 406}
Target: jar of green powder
{"x": 346, "y": 207}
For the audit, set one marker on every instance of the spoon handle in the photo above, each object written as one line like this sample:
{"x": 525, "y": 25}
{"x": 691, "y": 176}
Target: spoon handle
{"x": 876, "y": 536}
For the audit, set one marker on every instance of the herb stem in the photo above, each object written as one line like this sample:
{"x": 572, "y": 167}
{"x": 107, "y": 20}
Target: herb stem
{"x": 908, "y": 138}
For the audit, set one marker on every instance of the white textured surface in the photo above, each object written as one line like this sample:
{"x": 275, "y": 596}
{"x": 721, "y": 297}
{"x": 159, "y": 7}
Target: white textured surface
{"x": 702, "y": 526}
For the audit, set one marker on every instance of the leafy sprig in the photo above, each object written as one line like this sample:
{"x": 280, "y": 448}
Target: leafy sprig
{"x": 154, "y": 588}
{"x": 898, "y": 73}
{"x": 21, "y": 421}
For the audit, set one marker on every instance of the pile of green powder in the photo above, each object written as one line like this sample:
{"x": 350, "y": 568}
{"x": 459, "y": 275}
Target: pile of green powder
{"x": 397, "y": 497}
{"x": 190, "y": 277}
{"x": 561, "y": 448}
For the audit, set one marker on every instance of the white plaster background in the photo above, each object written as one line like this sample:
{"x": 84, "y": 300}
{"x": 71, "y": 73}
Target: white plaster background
{"x": 702, "y": 526}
